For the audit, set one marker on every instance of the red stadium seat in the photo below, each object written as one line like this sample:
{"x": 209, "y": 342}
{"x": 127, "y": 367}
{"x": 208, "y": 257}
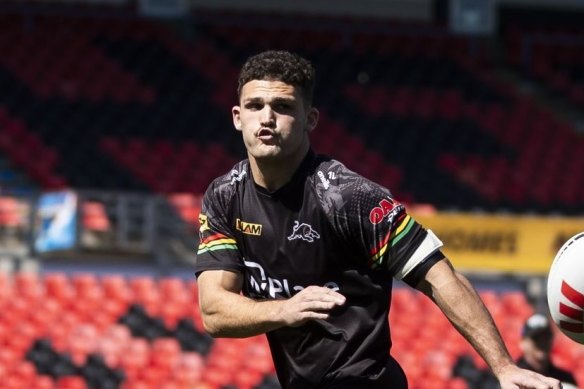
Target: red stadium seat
{"x": 71, "y": 382}
{"x": 10, "y": 214}
{"x": 188, "y": 206}
{"x": 116, "y": 287}
{"x": 95, "y": 216}
{"x": 44, "y": 382}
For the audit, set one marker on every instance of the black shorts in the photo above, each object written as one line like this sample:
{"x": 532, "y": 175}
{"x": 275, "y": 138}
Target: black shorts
{"x": 390, "y": 376}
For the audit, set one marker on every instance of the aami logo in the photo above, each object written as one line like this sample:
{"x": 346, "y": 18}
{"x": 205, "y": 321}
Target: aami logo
{"x": 387, "y": 207}
{"x": 303, "y": 231}
{"x": 577, "y": 314}
{"x": 248, "y": 228}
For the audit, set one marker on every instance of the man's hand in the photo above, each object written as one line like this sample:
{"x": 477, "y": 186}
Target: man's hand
{"x": 513, "y": 377}
{"x": 313, "y": 302}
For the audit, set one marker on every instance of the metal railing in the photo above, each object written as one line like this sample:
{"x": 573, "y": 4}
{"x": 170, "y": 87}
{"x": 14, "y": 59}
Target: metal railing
{"x": 140, "y": 226}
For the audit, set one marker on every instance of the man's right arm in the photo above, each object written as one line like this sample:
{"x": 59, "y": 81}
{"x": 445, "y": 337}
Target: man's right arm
{"x": 226, "y": 313}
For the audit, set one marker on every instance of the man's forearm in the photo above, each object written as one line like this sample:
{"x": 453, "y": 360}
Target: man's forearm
{"x": 237, "y": 316}
{"x": 226, "y": 313}
{"x": 465, "y": 309}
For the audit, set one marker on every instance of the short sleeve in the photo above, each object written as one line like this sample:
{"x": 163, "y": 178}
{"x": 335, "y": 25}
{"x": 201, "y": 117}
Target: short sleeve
{"x": 218, "y": 248}
{"x": 389, "y": 238}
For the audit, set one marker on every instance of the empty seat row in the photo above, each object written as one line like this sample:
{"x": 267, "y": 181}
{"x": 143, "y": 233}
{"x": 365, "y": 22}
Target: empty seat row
{"x": 29, "y": 152}
{"x": 551, "y": 56}
{"x": 169, "y": 167}
{"x": 31, "y": 55}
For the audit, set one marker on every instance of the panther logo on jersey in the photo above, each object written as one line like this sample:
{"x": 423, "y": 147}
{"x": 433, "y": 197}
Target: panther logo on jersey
{"x": 303, "y": 231}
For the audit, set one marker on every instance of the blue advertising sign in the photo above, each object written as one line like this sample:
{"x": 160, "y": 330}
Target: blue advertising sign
{"x": 56, "y": 222}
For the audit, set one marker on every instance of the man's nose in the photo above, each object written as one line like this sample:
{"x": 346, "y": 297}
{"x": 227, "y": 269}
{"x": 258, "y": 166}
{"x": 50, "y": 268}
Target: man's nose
{"x": 268, "y": 117}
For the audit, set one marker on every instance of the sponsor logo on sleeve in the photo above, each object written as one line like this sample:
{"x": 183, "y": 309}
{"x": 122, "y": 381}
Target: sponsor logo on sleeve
{"x": 325, "y": 183}
{"x": 203, "y": 223}
{"x": 387, "y": 208}
{"x": 303, "y": 231}
{"x": 248, "y": 228}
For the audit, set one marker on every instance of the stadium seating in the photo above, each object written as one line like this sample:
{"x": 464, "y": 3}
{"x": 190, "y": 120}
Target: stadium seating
{"x": 414, "y": 108}
{"x": 79, "y": 330}
{"x": 94, "y": 216}
{"x": 10, "y": 216}
{"x": 19, "y": 144}
{"x": 551, "y": 56}
{"x": 194, "y": 166}
{"x": 133, "y": 104}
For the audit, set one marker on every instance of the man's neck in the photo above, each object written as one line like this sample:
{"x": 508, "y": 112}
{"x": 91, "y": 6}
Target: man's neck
{"x": 272, "y": 174}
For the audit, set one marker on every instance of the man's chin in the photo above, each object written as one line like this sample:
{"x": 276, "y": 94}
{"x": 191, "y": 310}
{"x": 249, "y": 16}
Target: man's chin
{"x": 267, "y": 153}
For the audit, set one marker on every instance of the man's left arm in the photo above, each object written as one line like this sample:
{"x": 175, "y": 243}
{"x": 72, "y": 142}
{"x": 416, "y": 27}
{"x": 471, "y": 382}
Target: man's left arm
{"x": 461, "y": 304}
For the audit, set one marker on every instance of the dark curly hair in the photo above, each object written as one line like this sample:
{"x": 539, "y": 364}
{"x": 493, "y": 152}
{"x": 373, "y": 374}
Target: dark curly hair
{"x": 279, "y": 65}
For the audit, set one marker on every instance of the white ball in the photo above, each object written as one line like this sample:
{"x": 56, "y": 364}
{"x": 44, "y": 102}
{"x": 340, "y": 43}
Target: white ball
{"x": 565, "y": 288}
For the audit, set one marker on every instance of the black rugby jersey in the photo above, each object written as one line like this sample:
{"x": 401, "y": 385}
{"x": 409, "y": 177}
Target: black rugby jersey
{"x": 329, "y": 227}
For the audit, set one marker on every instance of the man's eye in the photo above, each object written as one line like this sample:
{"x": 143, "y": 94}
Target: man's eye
{"x": 283, "y": 107}
{"x": 253, "y": 106}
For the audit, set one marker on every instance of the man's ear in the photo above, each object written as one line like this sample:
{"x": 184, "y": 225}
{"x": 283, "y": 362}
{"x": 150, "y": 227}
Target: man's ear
{"x": 312, "y": 119}
{"x": 235, "y": 112}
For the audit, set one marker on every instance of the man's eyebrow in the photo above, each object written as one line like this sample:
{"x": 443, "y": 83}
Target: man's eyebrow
{"x": 253, "y": 100}
{"x": 283, "y": 99}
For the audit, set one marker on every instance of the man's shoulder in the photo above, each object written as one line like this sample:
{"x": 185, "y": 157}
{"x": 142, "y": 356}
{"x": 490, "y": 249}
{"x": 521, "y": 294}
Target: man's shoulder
{"x": 337, "y": 186}
{"x": 228, "y": 183}
{"x": 330, "y": 172}
{"x": 334, "y": 172}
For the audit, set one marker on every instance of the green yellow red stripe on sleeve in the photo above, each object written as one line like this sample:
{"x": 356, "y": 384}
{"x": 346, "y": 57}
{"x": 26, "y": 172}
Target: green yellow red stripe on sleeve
{"x": 216, "y": 242}
{"x": 391, "y": 240}
{"x": 402, "y": 230}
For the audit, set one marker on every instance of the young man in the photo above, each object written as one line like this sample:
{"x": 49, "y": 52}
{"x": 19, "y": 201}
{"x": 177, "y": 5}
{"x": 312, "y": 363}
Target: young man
{"x": 295, "y": 245}
{"x": 536, "y": 344}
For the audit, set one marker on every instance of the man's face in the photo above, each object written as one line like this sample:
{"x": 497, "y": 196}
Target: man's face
{"x": 274, "y": 120}
{"x": 536, "y": 350}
